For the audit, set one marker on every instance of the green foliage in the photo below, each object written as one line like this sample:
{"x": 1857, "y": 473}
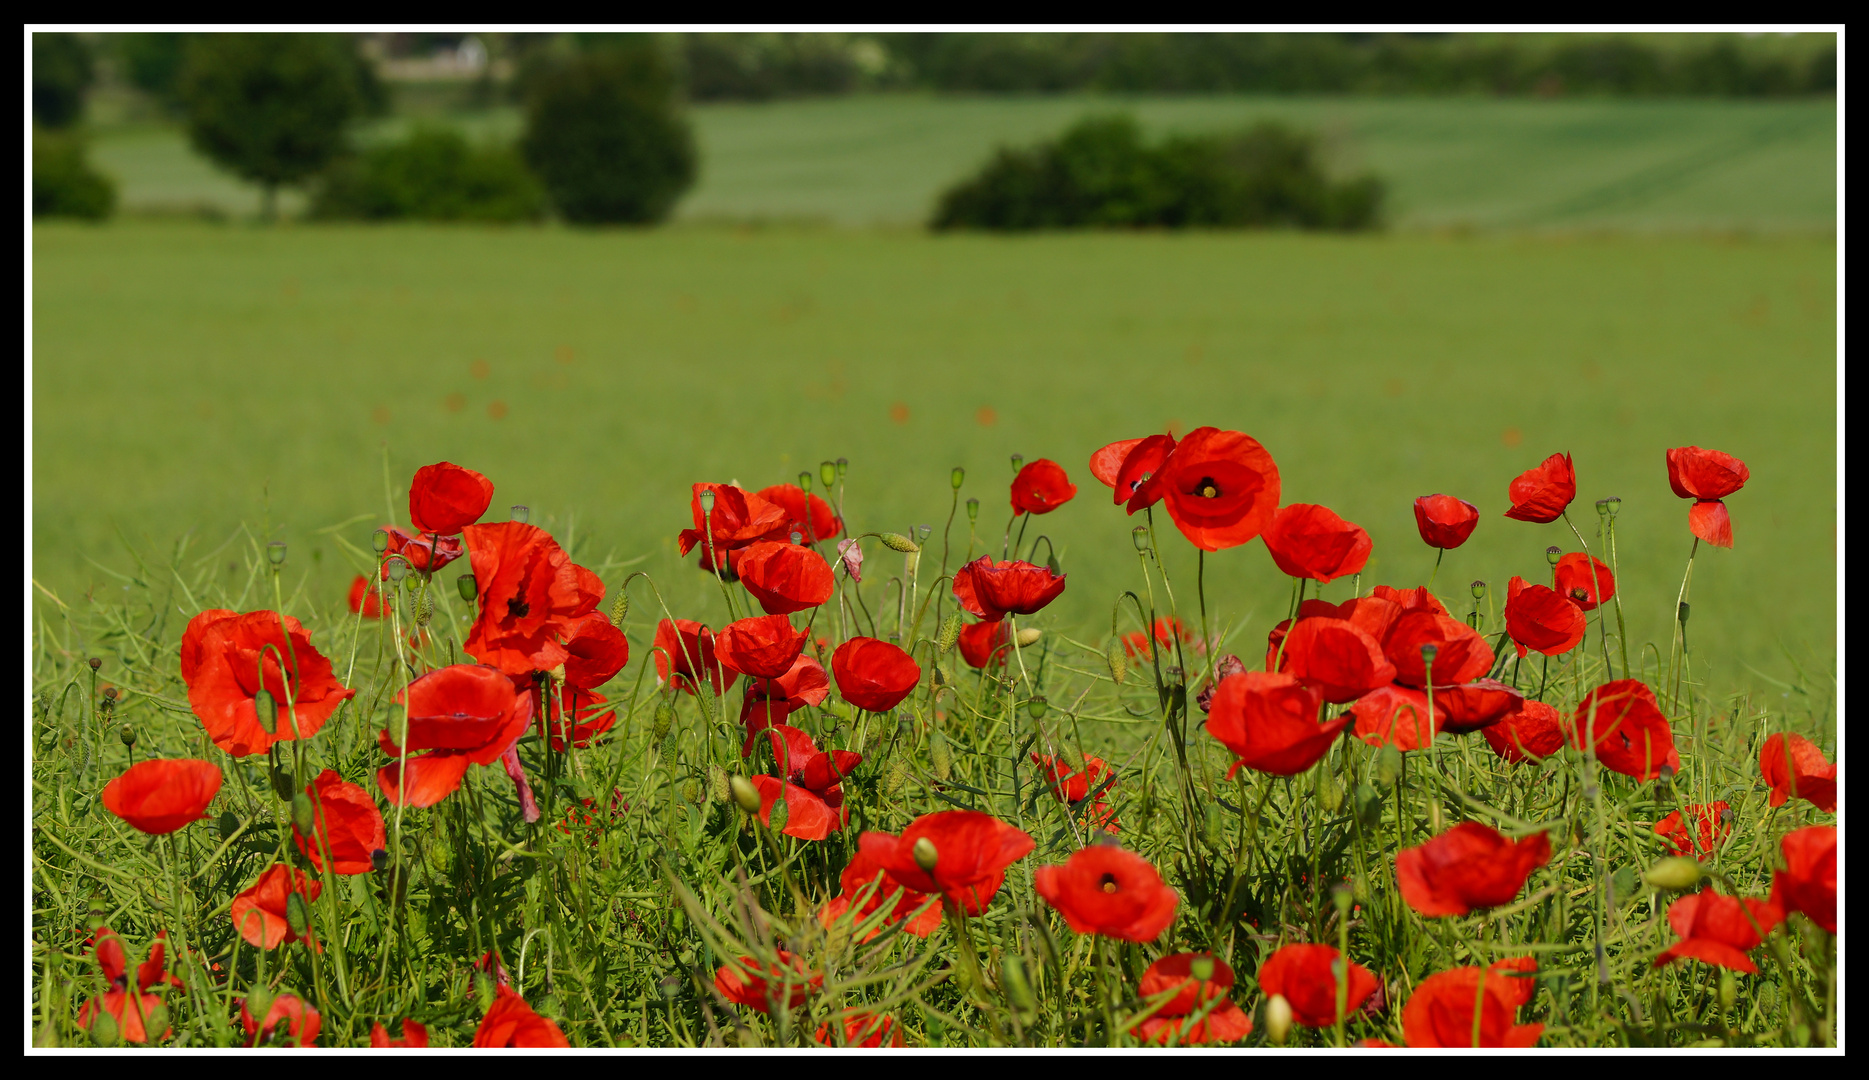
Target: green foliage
{"x": 63, "y": 183}
{"x": 1100, "y": 173}
{"x": 434, "y": 175}
{"x": 272, "y": 108}
{"x": 152, "y": 62}
{"x": 604, "y": 135}
{"x": 759, "y": 67}
{"x": 61, "y": 72}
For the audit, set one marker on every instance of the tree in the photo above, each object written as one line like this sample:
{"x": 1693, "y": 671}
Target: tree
{"x": 271, "y": 107}
{"x": 604, "y": 135}
{"x": 61, "y": 71}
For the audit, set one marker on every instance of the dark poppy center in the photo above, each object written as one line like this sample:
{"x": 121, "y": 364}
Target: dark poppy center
{"x": 518, "y": 608}
{"x": 1579, "y": 593}
{"x": 1207, "y": 489}
{"x": 1107, "y": 883}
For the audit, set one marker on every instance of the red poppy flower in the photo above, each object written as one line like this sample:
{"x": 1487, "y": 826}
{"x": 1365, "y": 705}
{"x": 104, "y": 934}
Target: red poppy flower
{"x": 161, "y": 796}
{"x": 1630, "y": 734}
{"x": 867, "y": 889}
{"x": 1373, "y": 615}
{"x": 1336, "y": 658}
{"x": 866, "y": 1030}
{"x": 1445, "y": 522}
{"x": 1572, "y": 579}
{"x": 822, "y": 524}
{"x": 347, "y": 823}
{"x": 1269, "y": 721}
{"x": 1461, "y": 654}
{"x": 413, "y": 1035}
{"x": 1168, "y": 629}
{"x": 739, "y": 518}
{"x": 1109, "y": 891}
{"x": 1542, "y": 619}
{"x": 1225, "y": 1022}
{"x": 1469, "y": 866}
{"x": 531, "y": 596}
{"x": 446, "y": 498}
{"x": 259, "y": 913}
{"x": 1396, "y": 716}
{"x": 365, "y": 600}
{"x": 1808, "y": 883}
{"x": 1040, "y": 488}
{"x": 1716, "y": 930}
{"x": 1532, "y": 732}
{"x": 763, "y": 647}
{"x": 289, "y": 1014}
{"x": 772, "y": 701}
{"x": 1074, "y": 787}
{"x": 972, "y": 852}
{"x": 1542, "y": 493}
{"x": 783, "y": 577}
{"x": 1707, "y": 476}
{"x": 684, "y": 647}
{"x": 807, "y": 815}
{"x": 1309, "y": 541}
{"x": 1221, "y": 488}
{"x": 424, "y": 552}
{"x": 511, "y": 1022}
{"x": 227, "y": 659}
{"x": 1410, "y": 600}
{"x": 800, "y": 760}
{"x": 127, "y": 1009}
{"x": 598, "y": 651}
{"x": 992, "y": 589}
{"x": 1440, "y": 1012}
{"x": 1809, "y": 777}
{"x": 1715, "y": 821}
{"x": 985, "y": 643}
{"x": 591, "y": 716}
{"x": 1475, "y": 706}
{"x": 1125, "y": 467}
{"x": 874, "y": 675}
{"x": 760, "y": 986}
{"x": 462, "y": 714}
{"x": 1309, "y": 978}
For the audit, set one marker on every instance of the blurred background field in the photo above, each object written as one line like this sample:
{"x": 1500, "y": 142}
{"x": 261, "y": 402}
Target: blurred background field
{"x": 1578, "y": 260}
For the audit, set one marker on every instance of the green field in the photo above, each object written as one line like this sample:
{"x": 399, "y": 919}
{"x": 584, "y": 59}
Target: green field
{"x": 189, "y": 377}
{"x": 1642, "y": 165}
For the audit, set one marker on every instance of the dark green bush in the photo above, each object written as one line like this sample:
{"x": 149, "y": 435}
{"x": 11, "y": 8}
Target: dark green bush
{"x": 61, "y": 72}
{"x": 604, "y": 134}
{"x": 1101, "y": 173}
{"x": 63, "y": 184}
{"x": 434, "y": 175}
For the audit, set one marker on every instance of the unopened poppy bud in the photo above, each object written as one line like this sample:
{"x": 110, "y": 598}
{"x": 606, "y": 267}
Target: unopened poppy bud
{"x": 1018, "y": 462}
{"x": 664, "y": 720}
{"x": 1028, "y": 637}
{"x": 1553, "y": 554}
{"x": 521, "y": 513}
{"x": 485, "y": 989}
{"x": 973, "y": 510}
{"x": 304, "y": 817}
{"x": 925, "y": 855}
{"x": 467, "y": 587}
{"x": 1277, "y": 1018}
{"x": 1052, "y": 564}
{"x": 1388, "y": 766}
{"x": 1012, "y": 979}
{"x": 898, "y": 542}
{"x": 896, "y": 777}
{"x": 228, "y": 824}
{"x": 1343, "y": 896}
{"x": 781, "y": 813}
{"x": 259, "y": 1001}
{"x": 744, "y": 793}
{"x": 398, "y": 568}
{"x": 266, "y": 710}
{"x": 1329, "y": 792}
{"x": 950, "y": 632}
{"x": 1682, "y": 613}
{"x": 717, "y": 787}
{"x": 380, "y": 540}
{"x": 128, "y": 735}
{"x": 110, "y": 696}
{"x": 1674, "y": 873}
{"x": 424, "y": 607}
{"x": 379, "y": 860}
{"x": 1202, "y": 968}
{"x": 1666, "y": 776}
{"x": 298, "y": 916}
{"x": 104, "y": 1028}
{"x": 282, "y": 783}
{"x": 1118, "y": 660}
{"x": 1036, "y": 707}
{"x": 827, "y": 472}
{"x": 939, "y": 754}
{"x": 95, "y": 662}
{"x": 957, "y": 477}
{"x": 156, "y": 1021}
{"x": 1479, "y": 590}
{"x": 1729, "y": 990}
{"x": 276, "y": 552}
{"x": 693, "y": 791}
{"x": 1140, "y": 536}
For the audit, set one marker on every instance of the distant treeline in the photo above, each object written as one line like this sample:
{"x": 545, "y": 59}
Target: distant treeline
{"x": 761, "y": 66}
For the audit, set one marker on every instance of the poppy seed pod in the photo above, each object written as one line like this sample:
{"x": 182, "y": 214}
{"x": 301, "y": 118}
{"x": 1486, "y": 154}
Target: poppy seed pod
{"x": 1018, "y": 462}
{"x": 925, "y": 855}
{"x": 380, "y": 540}
{"x": 276, "y": 552}
{"x": 266, "y": 709}
{"x": 1479, "y": 590}
{"x": 1682, "y": 613}
{"x": 467, "y": 587}
{"x": 898, "y": 542}
{"x": 1036, "y": 707}
{"x": 521, "y": 513}
{"x": 398, "y": 568}
{"x": 843, "y": 466}
{"x": 827, "y": 472}
{"x": 707, "y": 500}
{"x": 973, "y": 510}
{"x": 379, "y": 860}
{"x": 1140, "y": 536}
{"x": 1674, "y": 873}
{"x": 744, "y": 793}
{"x": 1553, "y": 553}
{"x": 958, "y": 477}
{"x": 950, "y": 632}
{"x": 1277, "y": 1018}
{"x": 95, "y": 662}
{"x": 128, "y": 735}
